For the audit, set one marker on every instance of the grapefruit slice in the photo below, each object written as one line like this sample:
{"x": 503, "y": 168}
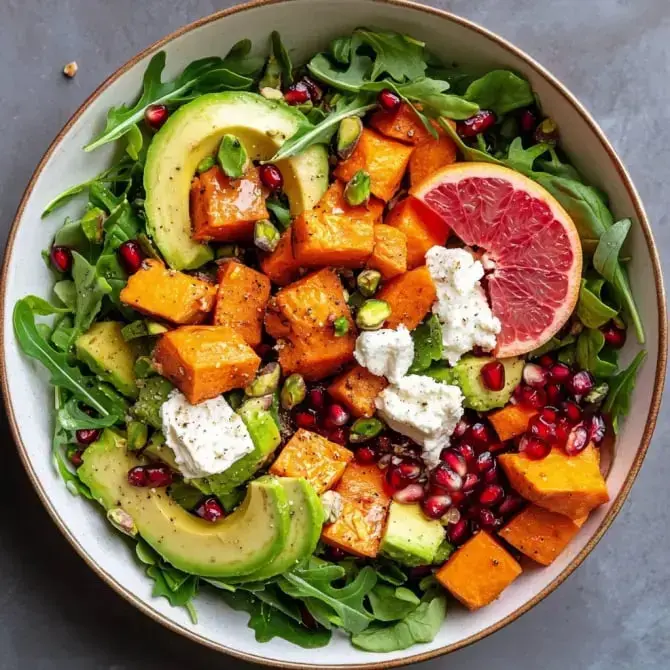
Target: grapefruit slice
{"x": 527, "y": 238}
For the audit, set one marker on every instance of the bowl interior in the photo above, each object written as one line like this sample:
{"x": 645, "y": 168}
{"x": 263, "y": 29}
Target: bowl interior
{"x": 307, "y": 26}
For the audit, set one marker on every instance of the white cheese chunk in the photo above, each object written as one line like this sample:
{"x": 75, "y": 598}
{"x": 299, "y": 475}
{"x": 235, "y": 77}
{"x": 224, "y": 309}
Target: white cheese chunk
{"x": 332, "y": 506}
{"x": 424, "y": 410}
{"x": 461, "y": 306}
{"x": 206, "y": 438}
{"x": 386, "y": 353}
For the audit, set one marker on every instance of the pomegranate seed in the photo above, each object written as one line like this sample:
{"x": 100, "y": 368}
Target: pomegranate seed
{"x": 510, "y": 504}
{"x": 555, "y": 394}
{"x": 485, "y": 461}
{"x": 534, "y": 375}
{"x": 546, "y": 361}
{"x": 388, "y": 100}
{"x": 459, "y": 532}
{"x": 546, "y": 432}
{"x": 336, "y": 554}
{"x": 305, "y": 420}
{"x": 297, "y": 94}
{"x": 338, "y": 436}
{"x": 410, "y": 470}
{"x": 419, "y": 572}
{"x": 563, "y": 428}
{"x": 491, "y": 495}
{"x": 580, "y": 383}
{"x": 156, "y": 115}
{"x": 534, "y": 448}
{"x": 488, "y": 519}
{"x": 366, "y": 455}
{"x": 614, "y": 336}
{"x": 549, "y": 414}
{"x": 314, "y": 90}
{"x": 457, "y": 497}
{"x": 461, "y": 428}
{"x": 533, "y": 398}
{"x": 455, "y": 461}
{"x": 316, "y": 399}
{"x": 577, "y": 440}
{"x": 383, "y": 444}
{"x": 470, "y": 481}
{"x": 491, "y": 476}
{"x": 131, "y": 256}
{"x": 271, "y": 177}
{"x": 158, "y": 476}
{"x": 468, "y": 453}
{"x": 337, "y": 415}
{"x": 451, "y": 516}
{"x": 493, "y": 376}
{"x": 137, "y": 476}
{"x": 527, "y": 121}
{"x": 384, "y": 461}
{"x": 87, "y": 435}
{"x": 597, "y": 429}
{"x": 76, "y": 458}
{"x": 481, "y": 433}
{"x": 435, "y": 506}
{"x": 444, "y": 477}
{"x": 476, "y": 124}
{"x": 498, "y": 447}
{"x": 410, "y": 494}
{"x": 61, "y": 258}
{"x": 572, "y": 411}
{"x": 559, "y": 373}
{"x": 394, "y": 479}
{"x": 209, "y": 510}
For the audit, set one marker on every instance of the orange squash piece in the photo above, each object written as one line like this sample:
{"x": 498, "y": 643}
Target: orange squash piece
{"x": 241, "y": 300}
{"x": 334, "y": 233}
{"x": 478, "y": 572}
{"x": 365, "y": 504}
{"x": 301, "y": 317}
{"x": 320, "y": 461}
{"x": 422, "y": 229}
{"x": 205, "y": 361}
{"x": 511, "y": 421}
{"x": 569, "y": 485}
{"x": 410, "y": 295}
{"x": 389, "y": 255}
{"x": 402, "y": 125}
{"x": 385, "y": 160}
{"x": 281, "y": 265}
{"x": 430, "y": 156}
{"x": 357, "y": 389}
{"x": 540, "y": 534}
{"x": 225, "y": 209}
{"x": 168, "y": 294}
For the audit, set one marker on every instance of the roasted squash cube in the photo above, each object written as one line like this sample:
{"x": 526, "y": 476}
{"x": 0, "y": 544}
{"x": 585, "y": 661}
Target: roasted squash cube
{"x": 320, "y": 461}
{"x": 168, "y": 294}
{"x": 385, "y": 160}
{"x": 478, "y": 572}
{"x": 360, "y": 527}
{"x": 241, "y": 300}
{"x": 569, "y": 485}
{"x": 334, "y": 233}
{"x": 357, "y": 389}
{"x": 540, "y": 534}
{"x": 225, "y": 209}
{"x": 281, "y": 265}
{"x": 511, "y": 421}
{"x": 410, "y": 295}
{"x": 422, "y": 229}
{"x": 389, "y": 255}
{"x": 430, "y": 156}
{"x": 205, "y": 361}
{"x": 402, "y": 125}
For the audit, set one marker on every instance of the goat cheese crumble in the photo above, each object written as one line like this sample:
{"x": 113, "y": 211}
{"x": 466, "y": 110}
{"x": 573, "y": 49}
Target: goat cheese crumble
{"x": 424, "y": 410}
{"x": 332, "y": 506}
{"x": 206, "y": 438}
{"x": 386, "y": 353}
{"x": 461, "y": 306}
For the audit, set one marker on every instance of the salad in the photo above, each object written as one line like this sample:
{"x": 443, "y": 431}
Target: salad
{"x": 338, "y": 339}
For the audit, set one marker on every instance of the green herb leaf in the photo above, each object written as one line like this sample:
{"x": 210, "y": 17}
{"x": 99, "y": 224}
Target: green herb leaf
{"x": 592, "y": 311}
{"x": 400, "y": 56}
{"x": 71, "y": 417}
{"x": 592, "y": 355}
{"x": 185, "y": 495}
{"x": 390, "y": 572}
{"x": 340, "y": 49}
{"x": 351, "y": 79}
{"x": 617, "y": 404}
{"x": 522, "y": 159}
{"x": 553, "y": 344}
{"x": 283, "y": 59}
{"x": 146, "y": 554}
{"x": 280, "y": 211}
{"x": 427, "y": 344}
{"x": 232, "y": 157}
{"x": 182, "y": 596}
{"x": 606, "y": 256}
{"x": 468, "y": 153}
{"x": 91, "y": 288}
{"x": 501, "y": 91}
{"x": 391, "y": 604}
{"x": 43, "y": 307}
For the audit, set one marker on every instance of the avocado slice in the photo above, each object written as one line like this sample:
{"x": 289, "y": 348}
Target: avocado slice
{"x": 248, "y": 539}
{"x": 153, "y": 392}
{"x": 304, "y": 533}
{"x": 410, "y": 538}
{"x": 193, "y": 132}
{"x": 103, "y": 348}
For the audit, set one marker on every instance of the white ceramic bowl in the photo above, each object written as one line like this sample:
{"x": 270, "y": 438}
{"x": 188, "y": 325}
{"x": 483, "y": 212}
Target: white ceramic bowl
{"x": 307, "y": 26}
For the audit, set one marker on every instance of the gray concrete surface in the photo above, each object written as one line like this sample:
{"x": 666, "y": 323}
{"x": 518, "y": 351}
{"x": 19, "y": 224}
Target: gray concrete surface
{"x": 612, "y": 614}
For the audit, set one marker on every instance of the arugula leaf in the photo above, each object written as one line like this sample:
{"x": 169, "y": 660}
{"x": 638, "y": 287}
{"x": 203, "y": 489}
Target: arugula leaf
{"x": 501, "y": 91}
{"x": 351, "y": 79}
{"x": 145, "y": 553}
{"x": 592, "y": 311}
{"x": 91, "y": 288}
{"x": 283, "y": 59}
{"x": 340, "y": 49}
{"x": 592, "y": 355}
{"x": 391, "y": 604}
{"x": 555, "y": 167}
{"x": 552, "y": 345}
{"x": 521, "y": 159}
{"x": 606, "y": 256}
{"x": 185, "y": 495}
{"x": 61, "y": 335}
{"x": 182, "y": 596}
{"x": 617, "y": 404}
{"x": 390, "y": 572}
{"x": 71, "y": 417}
{"x": 468, "y": 153}
{"x": 239, "y": 60}
{"x": 280, "y": 211}
{"x": 43, "y": 307}
{"x": 400, "y": 56}
{"x": 67, "y": 293}
{"x": 421, "y": 625}
{"x": 427, "y": 345}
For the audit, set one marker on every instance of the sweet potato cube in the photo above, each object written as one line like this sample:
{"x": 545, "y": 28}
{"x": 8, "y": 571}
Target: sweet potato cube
{"x": 540, "y": 534}
{"x": 402, "y": 125}
{"x": 281, "y": 265}
{"x": 511, "y": 421}
{"x": 478, "y": 572}
{"x": 357, "y": 389}
{"x": 360, "y": 527}
{"x": 410, "y": 295}
{"x": 168, "y": 294}
{"x": 389, "y": 255}
{"x": 241, "y": 300}
{"x": 225, "y": 209}
{"x": 569, "y": 485}
{"x": 334, "y": 233}
{"x": 205, "y": 361}
{"x": 320, "y": 461}
{"x": 430, "y": 156}
{"x": 301, "y": 317}
{"x": 422, "y": 229}
{"x": 385, "y": 160}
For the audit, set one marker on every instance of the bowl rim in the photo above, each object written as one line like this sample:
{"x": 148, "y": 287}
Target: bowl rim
{"x": 653, "y": 408}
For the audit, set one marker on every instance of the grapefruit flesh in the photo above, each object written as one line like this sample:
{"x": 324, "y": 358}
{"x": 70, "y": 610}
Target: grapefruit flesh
{"x": 525, "y": 235}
